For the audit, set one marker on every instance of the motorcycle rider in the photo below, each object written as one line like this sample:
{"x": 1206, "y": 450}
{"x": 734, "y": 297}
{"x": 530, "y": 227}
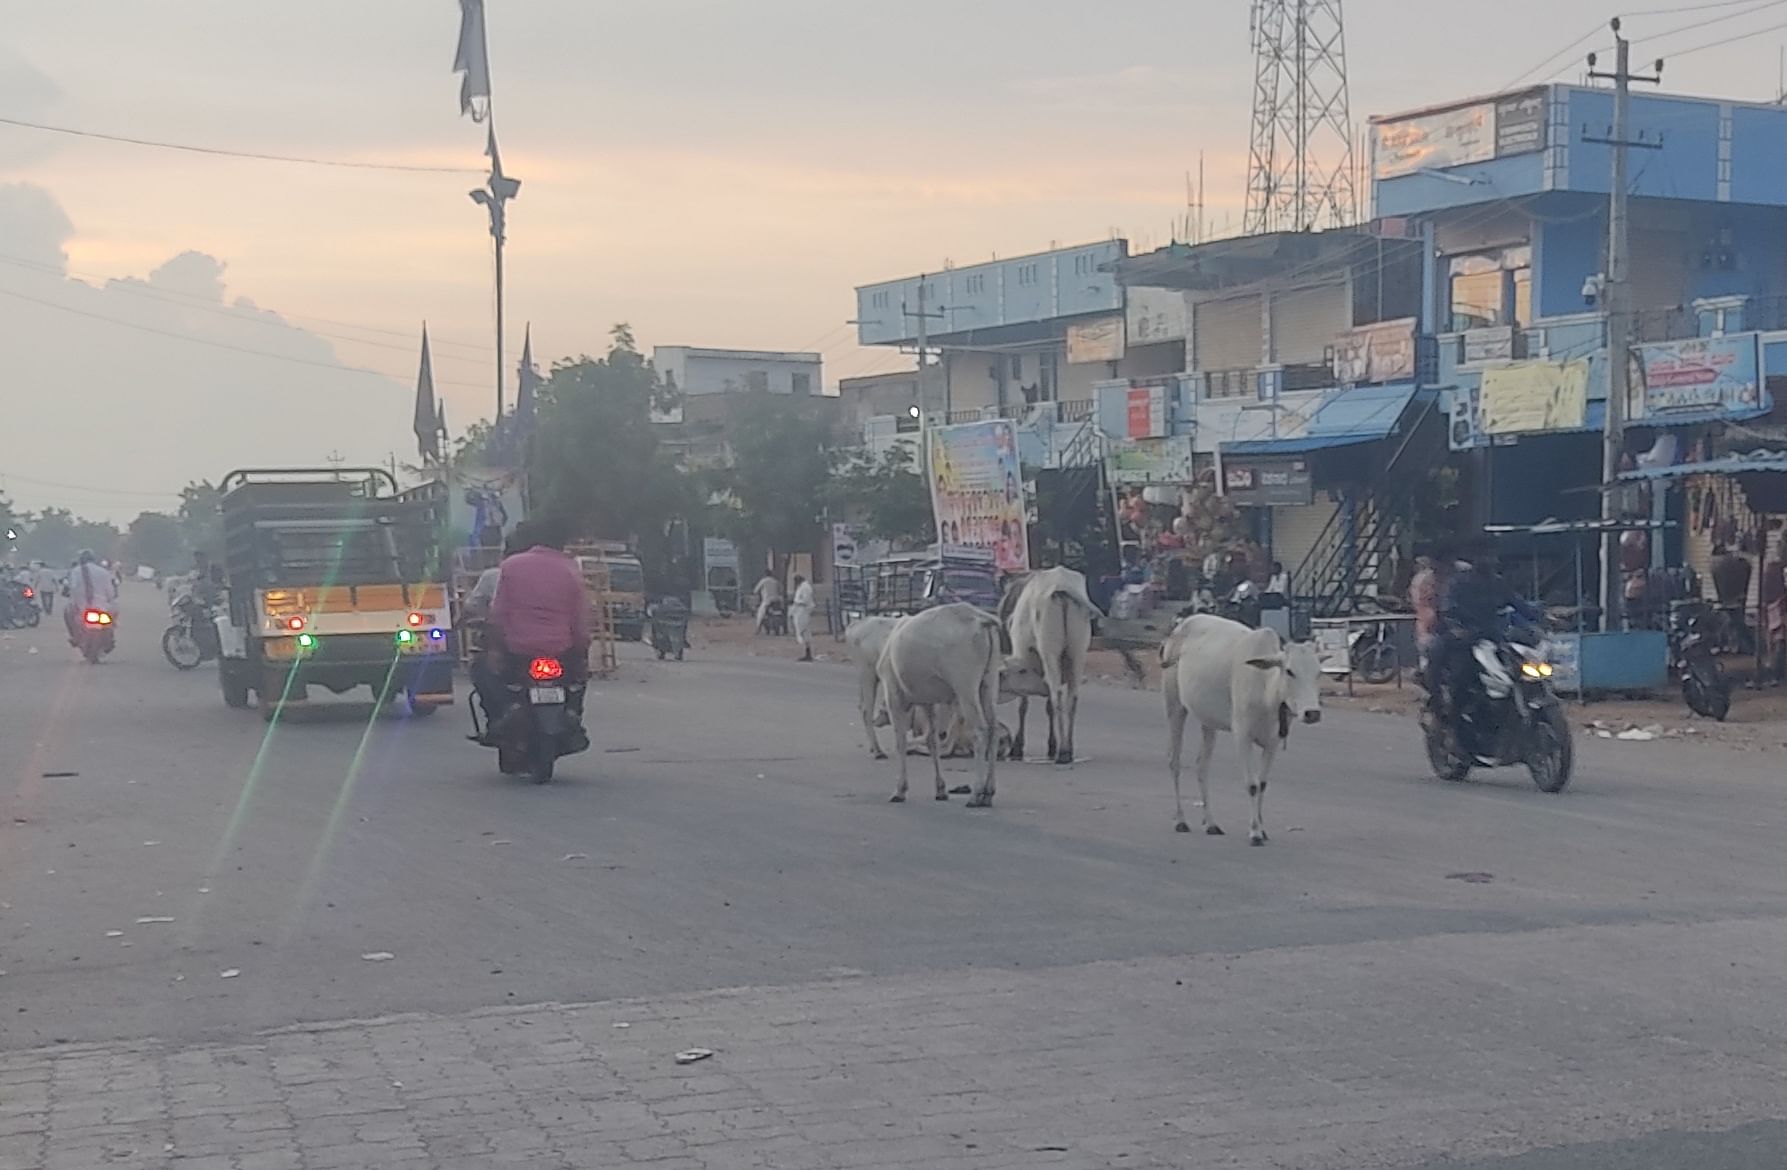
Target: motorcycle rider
{"x": 90, "y": 586}
{"x": 1473, "y": 608}
{"x": 541, "y": 609}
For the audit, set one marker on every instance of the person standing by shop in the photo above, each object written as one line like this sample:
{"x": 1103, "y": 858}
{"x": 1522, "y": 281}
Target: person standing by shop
{"x": 800, "y": 614}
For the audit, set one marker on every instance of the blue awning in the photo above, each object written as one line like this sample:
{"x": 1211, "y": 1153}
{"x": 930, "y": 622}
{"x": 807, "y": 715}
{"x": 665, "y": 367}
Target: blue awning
{"x": 1347, "y": 418}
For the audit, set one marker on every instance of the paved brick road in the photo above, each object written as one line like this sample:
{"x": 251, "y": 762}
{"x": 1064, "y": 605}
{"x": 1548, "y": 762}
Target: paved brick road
{"x": 1308, "y": 1057}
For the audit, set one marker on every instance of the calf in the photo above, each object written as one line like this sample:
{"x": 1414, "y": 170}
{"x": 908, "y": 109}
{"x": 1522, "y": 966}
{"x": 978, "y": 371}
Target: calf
{"x": 1233, "y": 678}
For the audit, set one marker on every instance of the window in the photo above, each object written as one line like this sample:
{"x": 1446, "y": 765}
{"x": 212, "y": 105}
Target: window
{"x": 1492, "y": 288}
{"x": 878, "y": 300}
{"x": 976, "y": 284}
{"x": 802, "y": 383}
{"x": 1085, "y": 264}
{"x": 1026, "y": 275}
{"x": 756, "y": 379}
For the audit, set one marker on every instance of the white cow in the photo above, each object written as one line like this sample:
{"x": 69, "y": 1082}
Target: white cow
{"x": 1050, "y": 618}
{"x": 1232, "y": 678}
{"x": 864, "y": 641}
{"x": 949, "y": 654}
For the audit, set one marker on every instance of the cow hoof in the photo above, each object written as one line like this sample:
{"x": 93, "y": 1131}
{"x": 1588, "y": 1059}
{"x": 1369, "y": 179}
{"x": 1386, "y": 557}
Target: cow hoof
{"x": 1213, "y": 830}
{"x": 980, "y": 802}
{"x": 964, "y": 790}
{"x": 897, "y": 798}
{"x": 1181, "y": 827}
{"x": 1064, "y": 758}
{"x": 942, "y": 796}
{"x": 1256, "y": 838}
{"x": 877, "y": 755}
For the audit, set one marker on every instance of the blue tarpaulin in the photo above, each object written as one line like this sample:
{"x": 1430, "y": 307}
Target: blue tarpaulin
{"x": 1362, "y": 414}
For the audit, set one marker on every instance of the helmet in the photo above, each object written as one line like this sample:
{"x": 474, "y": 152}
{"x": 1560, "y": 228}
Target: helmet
{"x": 86, "y": 557}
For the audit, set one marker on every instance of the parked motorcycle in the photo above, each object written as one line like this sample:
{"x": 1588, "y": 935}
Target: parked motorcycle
{"x": 669, "y": 628}
{"x": 19, "y": 608}
{"x": 96, "y": 638}
{"x": 1507, "y": 715}
{"x": 543, "y": 719}
{"x": 192, "y": 638}
{"x": 1692, "y": 637}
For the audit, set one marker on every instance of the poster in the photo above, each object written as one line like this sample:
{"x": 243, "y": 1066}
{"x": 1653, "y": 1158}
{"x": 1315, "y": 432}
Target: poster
{"x": 1700, "y": 375}
{"x": 1145, "y": 412}
{"x": 843, "y": 545}
{"x": 1151, "y": 461}
{"x": 1371, "y": 354}
{"x": 1528, "y": 397}
{"x": 1099, "y": 340}
{"x": 977, "y": 492}
{"x": 1445, "y": 138}
{"x": 483, "y": 504}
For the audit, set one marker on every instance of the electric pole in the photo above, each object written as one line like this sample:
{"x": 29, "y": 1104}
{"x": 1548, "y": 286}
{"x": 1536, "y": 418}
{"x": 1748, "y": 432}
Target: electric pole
{"x": 925, "y": 317}
{"x": 1616, "y": 294}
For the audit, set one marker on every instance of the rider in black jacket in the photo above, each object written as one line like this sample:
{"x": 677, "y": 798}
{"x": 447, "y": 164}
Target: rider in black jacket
{"x": 1475, "y": 607}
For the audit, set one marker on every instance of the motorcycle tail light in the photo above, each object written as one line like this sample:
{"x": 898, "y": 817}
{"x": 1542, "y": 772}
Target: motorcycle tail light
{"x": 545, "y": 669}
{"x": 294, "y": 623}
{"x": 96, "y": 617}
{"x": 30, "y": 593}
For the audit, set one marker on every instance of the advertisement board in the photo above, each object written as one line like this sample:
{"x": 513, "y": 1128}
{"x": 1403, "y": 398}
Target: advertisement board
{"x": 1145, "y": 411}
{"x": 977, "y": 491}
{"x": 1099, "y": 340}
{"x": 1527, "y": 397}
{"x": 1139, "y": 462}
{"x": 1384, "y": 352}
{"x": 1267, "y": 483}
{"x": 1698, "y": 375}
{"x": 1153, "y": 315}
{"x": 1510, "y": 125}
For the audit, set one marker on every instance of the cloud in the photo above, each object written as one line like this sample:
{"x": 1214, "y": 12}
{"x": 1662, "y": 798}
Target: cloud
{"x": 27, "y": 93}
{"x": 134, "y": 386}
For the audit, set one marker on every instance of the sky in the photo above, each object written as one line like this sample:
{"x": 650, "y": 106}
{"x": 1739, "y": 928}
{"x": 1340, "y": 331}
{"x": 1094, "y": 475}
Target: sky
{"x": 713, "y": 173}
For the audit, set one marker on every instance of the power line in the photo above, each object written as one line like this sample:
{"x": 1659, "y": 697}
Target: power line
{"x": 354, "y": 164}
{"x": 1680, "y": 8}
{"x": 1754, "y": 32}
{"x": 1599, "y": 25}
{"x": 1766, "y": 4}
{"x": 281, "y": 357}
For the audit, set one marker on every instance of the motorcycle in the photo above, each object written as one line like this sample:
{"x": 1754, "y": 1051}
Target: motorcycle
{"x": 669, "y": 628}
{"x": 1705, "y": 687}
{"x": 542, "y": 721}
{"x": 1506, "y": 715}
{"x": 95, "y": 639}
{"x": 192, "y": 638}
{"x": 19, "y": 608}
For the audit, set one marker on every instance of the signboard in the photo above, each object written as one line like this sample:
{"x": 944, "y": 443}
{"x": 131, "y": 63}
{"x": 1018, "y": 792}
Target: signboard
{"x": 1150, "y": 461}
{"x": 1384, "y": 352}
{"x": 1464, "y": 134}
{"x": 1464, "y": 428}
{"x": 1494, "y": 344}
{"x": 719, "y": 553}
{"x": 1700, "y": 375}
{"x": 843, "y": 545}
{"x": 1145, "y": 412}
{"x": 1154, "y": 315}
{"x": 1267, "y": 483}
{"x": 977, "y": 494}
{"x": 1520, "y": 124}
{"x": 1535, "y": 396}
{"x": 1100, "y": 340}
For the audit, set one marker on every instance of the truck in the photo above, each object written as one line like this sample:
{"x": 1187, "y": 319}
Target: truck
{"x": 332, "y": 579}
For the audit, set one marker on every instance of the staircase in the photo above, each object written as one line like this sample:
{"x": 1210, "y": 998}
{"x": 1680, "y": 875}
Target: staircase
{"x": 1341, "y": 573}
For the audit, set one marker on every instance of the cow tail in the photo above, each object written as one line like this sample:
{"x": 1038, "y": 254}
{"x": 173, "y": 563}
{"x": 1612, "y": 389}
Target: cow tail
{"x": 1065, "y": 603}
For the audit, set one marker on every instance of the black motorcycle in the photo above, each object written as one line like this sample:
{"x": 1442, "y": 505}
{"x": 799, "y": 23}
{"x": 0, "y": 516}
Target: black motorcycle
{"x": 19, "y": 607}
{"x": 1692, "y": 638}
{"x": 541, "y": 720}
{"x": 98, "y": 634}
{"x": 1506, "y": 714}
{"x": 192, "y": 638}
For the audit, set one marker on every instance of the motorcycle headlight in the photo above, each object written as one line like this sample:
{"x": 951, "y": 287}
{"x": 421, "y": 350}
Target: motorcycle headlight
{"x": 1536, "y": 669}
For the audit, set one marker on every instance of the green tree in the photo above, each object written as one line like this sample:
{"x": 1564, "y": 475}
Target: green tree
{"x": 779, "y": 477}
{"x": 887, "y": 494}
{"x": 201, "y": 518}
{"x": 50, "y": 536}
{"x": 155, "y": 539}
{"x": 597, "y": 461}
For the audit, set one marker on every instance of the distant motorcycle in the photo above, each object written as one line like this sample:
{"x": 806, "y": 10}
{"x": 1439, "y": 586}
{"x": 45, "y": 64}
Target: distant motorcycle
{"x": 19, "y": 607}
{"x": 192, "y": 638}
{"x": 669, "y": 628}
{"x": 1705, "y": 687}
{"x": 1506, "y": 714}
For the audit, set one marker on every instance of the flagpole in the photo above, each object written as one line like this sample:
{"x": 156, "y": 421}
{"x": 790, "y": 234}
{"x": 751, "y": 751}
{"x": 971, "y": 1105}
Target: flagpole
{"x": 472, "y": 59}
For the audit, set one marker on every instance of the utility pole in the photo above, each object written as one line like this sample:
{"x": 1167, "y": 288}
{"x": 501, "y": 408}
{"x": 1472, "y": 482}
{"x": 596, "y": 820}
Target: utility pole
{"x": 1616, "y": 294}
{"x": 925, "y": 316}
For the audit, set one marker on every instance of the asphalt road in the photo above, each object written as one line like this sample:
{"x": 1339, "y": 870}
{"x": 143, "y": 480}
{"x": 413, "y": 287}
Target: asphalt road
{"x": 728, "y": 831}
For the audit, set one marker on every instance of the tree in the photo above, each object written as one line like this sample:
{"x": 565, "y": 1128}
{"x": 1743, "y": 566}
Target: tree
{"x": 778, "y": 480}
{"x": 597, "y": 462}
{"x": 201, "y": 518}
{"x": 51, "y": 537}
{"x": 887, "y": 494}
{"x": 155, "y": 539}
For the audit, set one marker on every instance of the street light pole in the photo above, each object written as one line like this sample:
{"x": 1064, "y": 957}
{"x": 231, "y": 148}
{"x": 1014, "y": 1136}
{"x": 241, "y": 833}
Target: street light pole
{"x": 494, "y": 197}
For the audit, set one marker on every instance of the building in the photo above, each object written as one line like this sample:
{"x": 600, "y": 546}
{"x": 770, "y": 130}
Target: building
{"x": 1510, "y": 195}
{"x": 696, "y": 371}
{"x": 880, "y": 410}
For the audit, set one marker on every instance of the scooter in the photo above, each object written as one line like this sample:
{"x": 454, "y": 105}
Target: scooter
{"x": 543, "y": 719}
{"x": 192, "y": 638}
{"x": 96, "y": 638}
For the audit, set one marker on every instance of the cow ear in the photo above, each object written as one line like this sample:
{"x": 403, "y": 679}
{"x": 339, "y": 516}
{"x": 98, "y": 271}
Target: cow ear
{"x": 1274, "y": 661}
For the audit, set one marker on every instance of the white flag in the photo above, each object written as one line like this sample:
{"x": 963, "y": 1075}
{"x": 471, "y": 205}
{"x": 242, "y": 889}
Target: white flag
{"x": 473, "y": 60}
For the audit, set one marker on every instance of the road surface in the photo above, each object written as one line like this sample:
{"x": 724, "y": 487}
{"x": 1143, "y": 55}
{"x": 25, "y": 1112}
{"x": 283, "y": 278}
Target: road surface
{"x": 1411, "y": 974}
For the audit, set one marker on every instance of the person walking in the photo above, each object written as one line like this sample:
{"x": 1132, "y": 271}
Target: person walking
{"x": 768, "y": 591}
{"x": 800, "y": 613}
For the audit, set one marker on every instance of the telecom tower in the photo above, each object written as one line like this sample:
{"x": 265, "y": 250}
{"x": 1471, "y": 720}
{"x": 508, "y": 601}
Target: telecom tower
{"x": 1300, "y": 165}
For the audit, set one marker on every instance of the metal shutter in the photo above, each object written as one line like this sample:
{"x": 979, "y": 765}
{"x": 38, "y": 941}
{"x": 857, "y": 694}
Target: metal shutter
{"x": 1295, "y": 531}
{"x": 1228, "y": 334}
{"x": 1305, "y": 322}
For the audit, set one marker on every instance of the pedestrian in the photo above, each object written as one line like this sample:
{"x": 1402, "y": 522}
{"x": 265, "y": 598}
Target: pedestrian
{"x": 768, "y": 591}
{"x": 800, "y": 612}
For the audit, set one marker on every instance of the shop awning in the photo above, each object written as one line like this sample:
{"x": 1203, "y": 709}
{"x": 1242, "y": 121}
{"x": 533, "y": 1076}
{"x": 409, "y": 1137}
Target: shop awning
{"x": 1362, "y": 414}
{"x": 1756, "y": 462}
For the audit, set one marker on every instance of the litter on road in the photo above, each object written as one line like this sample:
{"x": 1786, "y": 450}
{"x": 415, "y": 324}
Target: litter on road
{"x": 152, "y": 918}
{"x": 691, "y": 1055}
{"x": 378, "y": 956}
{"x": 230, "y": 973}
{"x": 114, "y": 934}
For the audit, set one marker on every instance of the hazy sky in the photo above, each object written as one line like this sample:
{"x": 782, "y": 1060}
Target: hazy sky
{"x": 713, "y": 173}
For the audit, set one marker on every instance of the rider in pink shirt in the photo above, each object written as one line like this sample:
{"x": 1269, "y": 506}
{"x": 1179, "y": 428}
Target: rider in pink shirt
{"x": 541, "y": 605}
